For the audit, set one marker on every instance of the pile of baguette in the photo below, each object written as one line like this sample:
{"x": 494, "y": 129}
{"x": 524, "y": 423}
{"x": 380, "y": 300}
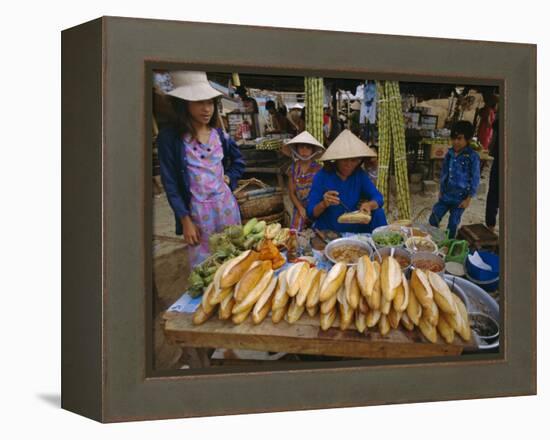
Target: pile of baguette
{"x": 363, "y": 297}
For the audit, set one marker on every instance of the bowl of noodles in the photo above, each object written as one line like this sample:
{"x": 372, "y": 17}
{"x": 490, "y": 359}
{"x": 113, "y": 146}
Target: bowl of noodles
{"x": 347, "y": 250}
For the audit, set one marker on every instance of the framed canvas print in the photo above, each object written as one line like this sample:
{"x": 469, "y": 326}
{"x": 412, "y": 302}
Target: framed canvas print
{"x": 244, "y": 220}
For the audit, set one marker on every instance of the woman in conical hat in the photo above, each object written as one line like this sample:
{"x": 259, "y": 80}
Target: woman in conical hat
{"x": 199, "y": 164}
{"x": 304, "y": 149}
{"x": 342, "y": 185}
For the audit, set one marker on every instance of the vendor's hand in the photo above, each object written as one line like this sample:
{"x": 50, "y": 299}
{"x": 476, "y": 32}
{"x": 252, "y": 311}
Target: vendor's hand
{"x": 465, "y": 203}
{"x": 226, "y": 179}
{"x": 191, "y": 233}
{"x": 368, "y": 206}
{"x": 331, "y": 198}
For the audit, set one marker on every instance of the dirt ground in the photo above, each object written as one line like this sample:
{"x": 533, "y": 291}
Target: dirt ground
{"x": 171, "y": 267}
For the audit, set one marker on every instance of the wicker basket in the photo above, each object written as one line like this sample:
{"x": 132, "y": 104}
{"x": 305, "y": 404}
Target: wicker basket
{"x": 256, "y": 199}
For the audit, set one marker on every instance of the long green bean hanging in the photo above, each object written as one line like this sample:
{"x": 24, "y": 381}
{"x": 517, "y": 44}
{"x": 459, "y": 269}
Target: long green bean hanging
{"x": 314, "y": 99}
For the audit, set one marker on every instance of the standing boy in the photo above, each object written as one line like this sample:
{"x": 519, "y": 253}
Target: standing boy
{"x": 459, "y": 178}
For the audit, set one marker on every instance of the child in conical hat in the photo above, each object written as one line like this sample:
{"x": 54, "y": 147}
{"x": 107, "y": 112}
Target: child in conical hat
{"x": 304, "y": 149}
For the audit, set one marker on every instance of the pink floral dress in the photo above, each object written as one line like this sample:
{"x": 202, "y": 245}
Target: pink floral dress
{"x": 213, "y": 205}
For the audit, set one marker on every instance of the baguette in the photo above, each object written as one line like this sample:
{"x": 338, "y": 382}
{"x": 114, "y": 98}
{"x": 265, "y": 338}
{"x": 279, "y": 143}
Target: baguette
{"x": 383, "y": 325}
{"x": 360, "y": 321}
{"x": 255, "y": 293}
{"x": 264, "y": 300}
{"x": 327, "y": 319}
{"x": 314, "y": 294}
{"x": 200, "y": 316}
{"x": 406, "y": 321}
{"x": 431, "y": 313}
{"x": 226, "y": 306}
{"x": 239, "y": 318}
{"x": 464, "y": 331}
{"x": 414, "y": 309}
{"x": 428, "y": 330}
{"x": 329, "y": 304}
{"x": 442, "y": 294}
{"x": 236, "y": 268}
{"x": 373, "y": 317}
{"x": 251, "y": 279}
{"x": 352, "y": 288}
{"x": 205, "y": 301}
{"x": 294, "y": 312}
{"x": 363, "y": 306}
{"x": 333, "y": 281}
{"x": 355, "y": 217}
{"x": 421, "y": 288}
{"x": 278, "y": 314}
{"x": 308, "y": 284}
{"x": 394, "y": 317}
{"x": 366, "y": 275}
{"x": 294, "y": 277}
{"x": 312, "y": 311}
{"x": 390, "y": 277}
{"x": 280, "y": 299}
{"x": 259, "y": 315}
{"x": 401, "y": 300}
{"x": 445, "y": 330}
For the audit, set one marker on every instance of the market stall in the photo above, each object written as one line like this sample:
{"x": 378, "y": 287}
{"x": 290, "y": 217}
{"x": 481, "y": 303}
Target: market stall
{"x": 380, "y": 295}
{"x": 401, "y": 291}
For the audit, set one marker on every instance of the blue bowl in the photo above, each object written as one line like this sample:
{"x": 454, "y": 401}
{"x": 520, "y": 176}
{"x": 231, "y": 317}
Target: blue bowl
{"x": 488, "y": 286}
{"x": 482, "y": 275}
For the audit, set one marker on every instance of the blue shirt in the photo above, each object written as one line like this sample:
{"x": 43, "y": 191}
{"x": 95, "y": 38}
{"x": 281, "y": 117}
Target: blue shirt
{"x": 175, "y": 175}
{"x": 355, "y": 188}
{"x": 459, "y": 175}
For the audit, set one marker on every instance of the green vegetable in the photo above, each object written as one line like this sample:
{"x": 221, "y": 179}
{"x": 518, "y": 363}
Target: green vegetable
{"x": 208, "y": 280}
{"x": 247, "y": 229}
{"x": 388, "y": 239}
{"x": 215, "y": 241}
{"x": 238, "y": 242}
{"x": 259, "y": 227}
{"x": 249, "y": 242}
{"x": 234, "y": 232}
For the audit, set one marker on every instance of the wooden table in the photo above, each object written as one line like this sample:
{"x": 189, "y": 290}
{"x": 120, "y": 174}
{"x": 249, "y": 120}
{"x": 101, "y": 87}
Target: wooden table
{"x": 305, "y": 337}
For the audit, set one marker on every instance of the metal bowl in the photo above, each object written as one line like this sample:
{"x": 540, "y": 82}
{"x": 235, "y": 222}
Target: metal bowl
{"x": 486, "y": 320}
{"x": 387, "y": 251}
{"x": 411, "y": 244}
{"x": 455, "y": 288}
{"x": 430, "y": 257}
{"x": 386, "y": 229}
{"x": 480, "y": 301}
{"x": 339, "y": 242}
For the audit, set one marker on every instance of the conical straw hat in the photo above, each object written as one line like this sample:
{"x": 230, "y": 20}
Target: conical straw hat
{"x": 305, "y": 138}
{"x": 192, "y": 86}
{"x": 347, "y": 146}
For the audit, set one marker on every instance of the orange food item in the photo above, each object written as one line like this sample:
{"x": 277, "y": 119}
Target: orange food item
{"x": 268, "y": 251}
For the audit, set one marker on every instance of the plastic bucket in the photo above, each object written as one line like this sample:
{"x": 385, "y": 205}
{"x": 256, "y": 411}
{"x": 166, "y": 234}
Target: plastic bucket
{"x": 481, "y": 275}
{"x": 488, "y": 286}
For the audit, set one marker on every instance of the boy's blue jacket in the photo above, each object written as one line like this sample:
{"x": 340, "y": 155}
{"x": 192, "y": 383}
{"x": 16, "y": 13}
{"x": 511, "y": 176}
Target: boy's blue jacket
{"x": 174, "y": 173}
{"x": 459, "y": 175}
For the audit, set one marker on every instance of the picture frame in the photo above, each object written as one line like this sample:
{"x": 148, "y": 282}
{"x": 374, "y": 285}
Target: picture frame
{"x": 428, "y": 122}
{"x": 107, "y": 299}
{"x": 412, "y": 119}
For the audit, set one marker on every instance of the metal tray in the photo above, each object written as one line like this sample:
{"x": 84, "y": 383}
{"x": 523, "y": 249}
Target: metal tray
{"x": 479, "y": 301}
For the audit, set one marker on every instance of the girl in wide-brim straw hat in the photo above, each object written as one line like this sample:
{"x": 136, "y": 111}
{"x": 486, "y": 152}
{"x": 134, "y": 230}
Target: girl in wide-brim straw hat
{"x": 344, "y": 185}
{"x": 304, "y": 149}
{"x": 198, "y": 164}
